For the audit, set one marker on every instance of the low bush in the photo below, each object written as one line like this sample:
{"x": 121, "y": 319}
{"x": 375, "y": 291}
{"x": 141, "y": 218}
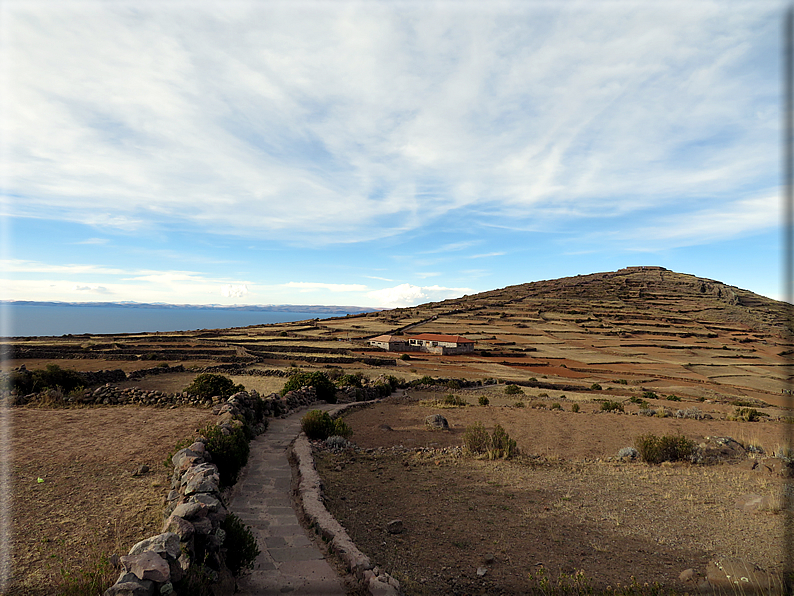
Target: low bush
{"x": 747, "y": 415}
{"x": 513, "y": 390}
{"x": 555, "y": 406}
{"x": 673, "y": 398}
{"x": 475, "y": 439}
{"x": 649, "y": 395}
{"x": 518, "y": 404}
{"x": 229, "y": 452}
{"x": 501, "y": 445}
{"x": 318, "y": 426}
{"x": 483, "y": 400}
{"x": 351, "y": 380}
{"x": 575, "y": 408}
{"x": 453, "y": 384}
{"x": 453, "y": 400}
{"x": 241, "y": 547}
{"x": 595, "y": 387}
{"x": 404, "y": 357}
{"x": 326, "y": 390}
{"x": 611, "y": 406}
{"x": 208, "y": 385}
{"x": 655, "y": 450}
{"x": 621, "y": 381}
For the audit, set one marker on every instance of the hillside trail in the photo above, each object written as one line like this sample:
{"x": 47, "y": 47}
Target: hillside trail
{"x": 289, "y": 562}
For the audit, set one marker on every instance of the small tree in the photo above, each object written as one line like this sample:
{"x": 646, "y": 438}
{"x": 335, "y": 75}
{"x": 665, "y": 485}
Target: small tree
{"x": 208, "y": 385}
{"x": 513, "y": 390}
{"x": 326, "y": 390}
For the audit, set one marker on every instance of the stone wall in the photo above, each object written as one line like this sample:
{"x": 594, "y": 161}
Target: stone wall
{"x": 193, "y": 518}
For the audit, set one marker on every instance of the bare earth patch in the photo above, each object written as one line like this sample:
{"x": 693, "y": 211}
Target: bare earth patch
{"x": 88, "y": 504}
{"x": 556, "y": 507}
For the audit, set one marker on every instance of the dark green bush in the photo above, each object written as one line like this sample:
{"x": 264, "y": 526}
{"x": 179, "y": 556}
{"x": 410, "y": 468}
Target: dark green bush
{"x": 241, "y": 547}
{"x": 326, "y": 390}
{"x": 484, "y": 401}
{"x": 575, "y": 408}
{"x": 319, "y": 425}
{"x": 595, "y": 387}
{"x": 555, "y": 406}
{"x": 611, "y": 406}
{"x": 51, "y": 377}
{"x": 229, "y": 452}
{"x": 513, "y": 390}
{"x": 655, "y": 450}
{"x": 351, "y": 380}
{"x": 747, "y": 414}
{"x": 404, "y": 357}
{"x": 210, "y": 384}
{"x": 649, "y": 395}
{"x": 453, "y": 384}
{"x": 673, "y": 398}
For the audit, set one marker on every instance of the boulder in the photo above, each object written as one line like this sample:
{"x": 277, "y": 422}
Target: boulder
{"x": 167, "y": 543}
{"x": 147, "y": 565}
{"x": 750, "y": 503}
{"x": 437, "y": 422}
{"x": 395, "y": 526}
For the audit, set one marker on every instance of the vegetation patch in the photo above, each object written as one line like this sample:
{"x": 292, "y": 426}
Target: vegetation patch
{"x": 326, "y": 390}
{"x": 208, "y": 385}
{"x": 653, "y": 449}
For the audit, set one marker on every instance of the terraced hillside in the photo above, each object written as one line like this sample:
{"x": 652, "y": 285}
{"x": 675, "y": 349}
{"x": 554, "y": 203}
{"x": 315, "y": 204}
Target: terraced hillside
{"x": 649, "y": 327}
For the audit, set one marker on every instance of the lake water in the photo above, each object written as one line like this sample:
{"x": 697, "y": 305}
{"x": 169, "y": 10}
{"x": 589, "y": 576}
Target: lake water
{"x": 47, "y": 320}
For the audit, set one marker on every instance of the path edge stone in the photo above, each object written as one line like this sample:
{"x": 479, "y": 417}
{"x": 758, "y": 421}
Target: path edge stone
{"x": 310, "y": 502}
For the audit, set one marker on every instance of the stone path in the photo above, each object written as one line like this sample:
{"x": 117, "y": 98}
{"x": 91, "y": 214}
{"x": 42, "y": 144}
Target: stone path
{"x": 289, "y": 562}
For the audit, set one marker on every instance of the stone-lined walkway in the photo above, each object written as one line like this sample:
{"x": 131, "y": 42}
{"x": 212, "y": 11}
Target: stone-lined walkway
{"x": 289, "y": 562}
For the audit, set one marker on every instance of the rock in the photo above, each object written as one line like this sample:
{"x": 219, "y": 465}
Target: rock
{"x": 167, "y": 543}
{"x": 147, "y": 565}
{"x": 129, "y": 585}
{"x": 211, "y": 503}
{"x": 750, "y": 503}
{"x": 481, "y": 571}
{"x": 489, "y": 559}
{"x": 687, "y": 575}
{"x": 202, "y": 526}
{"x": 437, "y": 422}
{"x": 179, "y": 526}
{"x": 395, "y": 526}
{"x": 778, "y": 467}
{"x": 190, "y": 510}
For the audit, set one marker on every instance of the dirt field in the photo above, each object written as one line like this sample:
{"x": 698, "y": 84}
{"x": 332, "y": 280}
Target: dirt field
{"x": 88, "y": 503}
{"x": 555, "y": 507}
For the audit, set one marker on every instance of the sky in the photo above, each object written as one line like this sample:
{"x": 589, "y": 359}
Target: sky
{"x": 383, "y": 154}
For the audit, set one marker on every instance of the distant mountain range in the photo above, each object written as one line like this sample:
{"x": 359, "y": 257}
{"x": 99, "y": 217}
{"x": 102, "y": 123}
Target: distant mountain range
{"x": 302, "y": 308}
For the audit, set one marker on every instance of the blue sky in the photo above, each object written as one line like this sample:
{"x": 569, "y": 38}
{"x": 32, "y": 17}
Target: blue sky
{"x": 383, "y": 153}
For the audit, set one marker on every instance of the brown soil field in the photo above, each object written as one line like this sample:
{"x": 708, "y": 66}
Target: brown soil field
{"x": 88, "y": 504}
{"x": 562, "y": 505}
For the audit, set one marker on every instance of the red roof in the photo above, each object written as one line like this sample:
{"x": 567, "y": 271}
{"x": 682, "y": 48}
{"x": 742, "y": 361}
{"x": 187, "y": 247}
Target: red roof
{"x": 440, "y": 337}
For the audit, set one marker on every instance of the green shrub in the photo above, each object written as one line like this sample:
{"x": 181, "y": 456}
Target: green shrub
{"x": 518, "y": 404}
{"x": 453, "y": 384}
{"x": 453, "y": 400}
{"x": 595, "y": 387}
{"x": 326, "y": 390}
{"x": 501, "y": 445}
{"x": 404, "y": 357}
{"x": 208, "y": 385}
{"x": 229, "y": 452}
{"x": 649, "y": 395}
{"x": 51, "y": 377}
{"x": 655, "y": 450}
{"x": 513, "y": 390}
{"x": 673, "y": 398}
{"x": 350, "y": 380}
{"x": 747, "y": 414}
{"x": 555, "y": 406}
{"x": 317, "y": 425}
{"x": 483, "y": 400}
{"x": 635, "y": 400}
{"x": 575, "y": 408}
{"x": 241, "y": 547}
{"x": 475, "y": 439}
{"x": 611, "y": 406}
{"x": 340, "y": 428}
{"x": 543, "y": 395}
{"x": 620, "y": 381}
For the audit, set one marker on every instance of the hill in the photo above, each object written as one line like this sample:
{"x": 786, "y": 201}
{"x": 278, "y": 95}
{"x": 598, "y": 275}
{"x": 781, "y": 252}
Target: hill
{"x": 648, "y": 326}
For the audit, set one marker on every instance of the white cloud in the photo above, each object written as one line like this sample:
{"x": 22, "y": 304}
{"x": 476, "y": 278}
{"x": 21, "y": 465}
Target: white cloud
{"x": 22, "y": 266}
{"x": 92, "y": 289}
{"x": 232, "y": 291}
{"x": 97, "y": 241}
{"x": 308, "y": 286}
{"x": 360, "y": 121}
{"x": 410, "y": 295}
